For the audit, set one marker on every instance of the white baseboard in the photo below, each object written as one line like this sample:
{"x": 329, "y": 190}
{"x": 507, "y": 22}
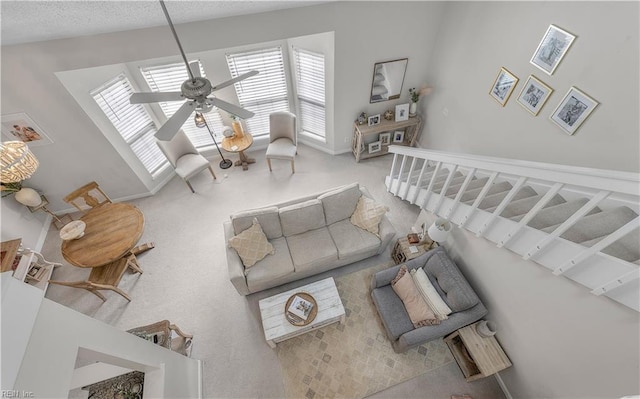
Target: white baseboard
{"x": 504, "y": 388}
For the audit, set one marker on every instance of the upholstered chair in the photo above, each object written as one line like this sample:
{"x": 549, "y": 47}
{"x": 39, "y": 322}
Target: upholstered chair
{"x": 283, "y": 138}
{"x": 184, "y": 157}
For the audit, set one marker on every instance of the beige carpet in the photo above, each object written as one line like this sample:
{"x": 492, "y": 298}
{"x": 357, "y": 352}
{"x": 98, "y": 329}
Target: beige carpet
{"x": 356, "y": 359}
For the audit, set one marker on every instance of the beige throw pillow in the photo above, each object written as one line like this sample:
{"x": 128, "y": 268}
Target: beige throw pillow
{"x": 416, "y": 307}
{"x": 430, "y": 294}
{"x": 251, "y": 245}
{"x": 368, "y": 214}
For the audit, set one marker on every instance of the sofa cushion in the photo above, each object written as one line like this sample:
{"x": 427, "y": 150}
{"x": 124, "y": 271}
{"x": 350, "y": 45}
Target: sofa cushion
{"x": 368, "y": 214}
{"x": 351, "y": 240}
{"x": 341, "y": 203}
{"x": 251, "y": 245}
{"x": 430, "y": 294}
{"x": 456, "y": 291}
{"x": 392, "y": 312}
{"x": 311, "y": 249}
{"x": 302, "y": 217}
{"x": 267, "y": 217}
{"x": 271, "y": 267}
{"x": 416, "y": 307}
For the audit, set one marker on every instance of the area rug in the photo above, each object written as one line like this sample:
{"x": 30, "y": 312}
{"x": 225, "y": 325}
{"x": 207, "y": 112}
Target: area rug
{"x": 354, "y": 359}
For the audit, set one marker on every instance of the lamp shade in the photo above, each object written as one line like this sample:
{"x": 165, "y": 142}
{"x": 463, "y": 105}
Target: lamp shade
{"x": 199, "y": 120}
{"x": 28, "y": 196}
{"x": 439, "y": 230}
{"x": 17, "y": 161}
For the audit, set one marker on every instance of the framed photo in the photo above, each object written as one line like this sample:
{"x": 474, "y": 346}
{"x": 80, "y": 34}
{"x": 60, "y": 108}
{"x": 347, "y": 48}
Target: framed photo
{"x": 402, "y": 112}
{"x": 374, "y": 119}
{"x": 572, "y": 111}
{"x": 398, "y": 136}
{"x": 385, "y": 138}
{"x": 534, "y": 94}
{"x": 503, "y": 86}
{"x": 21, "y": 127}
{"x": 375, "y": 147}
{"x": 553, "y": 46}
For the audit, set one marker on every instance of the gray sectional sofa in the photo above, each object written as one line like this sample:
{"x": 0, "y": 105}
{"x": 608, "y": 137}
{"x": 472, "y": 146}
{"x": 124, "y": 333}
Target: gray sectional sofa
{"x": 450, "y": 284}
{"x": 310, "y": 235}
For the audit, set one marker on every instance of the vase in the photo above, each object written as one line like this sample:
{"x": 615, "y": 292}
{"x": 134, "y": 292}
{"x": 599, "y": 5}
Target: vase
{"x": 413, "y": 109}
{"x": 237, "y": 128}
{"x": 486, "y": 328}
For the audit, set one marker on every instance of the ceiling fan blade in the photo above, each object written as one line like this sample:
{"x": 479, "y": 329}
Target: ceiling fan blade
{"x": 195, "y": 68}
{"x": 231, "y": 108}
{"x": 234, "y": 80}
{"x": 143, "y": 98}
{"x": 171, "y": 127}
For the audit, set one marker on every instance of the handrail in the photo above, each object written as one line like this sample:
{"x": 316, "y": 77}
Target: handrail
{"x": 600, "y": 179}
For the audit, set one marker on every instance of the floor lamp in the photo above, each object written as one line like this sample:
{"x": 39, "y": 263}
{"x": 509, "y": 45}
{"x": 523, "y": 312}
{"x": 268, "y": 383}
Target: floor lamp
{"x": 202, "y": 122}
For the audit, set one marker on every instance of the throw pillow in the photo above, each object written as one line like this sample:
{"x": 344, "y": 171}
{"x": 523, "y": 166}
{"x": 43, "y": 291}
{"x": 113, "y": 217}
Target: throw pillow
{"x": 251, "y": 245}
{"x": 416, "y": 307}
{"x": 430, "y": 294}
{"x": 368, "y": 214}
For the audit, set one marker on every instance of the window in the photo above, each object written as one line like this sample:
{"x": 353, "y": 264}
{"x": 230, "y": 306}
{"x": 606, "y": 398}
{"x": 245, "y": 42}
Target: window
{"x": 132, "y": 122}
{"x": 310, "y": 87}
{"x": 170, "y": 78}
{"x": 264, "y": 93}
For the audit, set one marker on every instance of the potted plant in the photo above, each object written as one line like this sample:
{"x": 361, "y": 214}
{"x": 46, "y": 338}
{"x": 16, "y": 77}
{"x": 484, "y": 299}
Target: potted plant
{"x": 415, "y": 98}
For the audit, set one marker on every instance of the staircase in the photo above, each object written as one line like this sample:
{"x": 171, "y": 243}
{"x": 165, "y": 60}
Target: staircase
{"x": 580, "y": 223}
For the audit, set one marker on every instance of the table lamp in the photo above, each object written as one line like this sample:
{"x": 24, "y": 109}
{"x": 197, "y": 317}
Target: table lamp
{"x": 439, "y": 230}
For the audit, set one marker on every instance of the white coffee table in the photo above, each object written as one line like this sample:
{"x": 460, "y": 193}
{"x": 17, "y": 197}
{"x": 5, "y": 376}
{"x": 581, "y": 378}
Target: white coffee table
{"x": 277, "y": 328}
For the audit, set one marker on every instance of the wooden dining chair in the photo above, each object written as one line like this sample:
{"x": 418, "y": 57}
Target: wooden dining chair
{"x": 87, "y": 197}
{"x": 106, "y": 277}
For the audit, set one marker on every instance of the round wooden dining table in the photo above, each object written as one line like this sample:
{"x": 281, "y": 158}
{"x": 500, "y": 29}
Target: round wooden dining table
{"x": 111, "y": 231}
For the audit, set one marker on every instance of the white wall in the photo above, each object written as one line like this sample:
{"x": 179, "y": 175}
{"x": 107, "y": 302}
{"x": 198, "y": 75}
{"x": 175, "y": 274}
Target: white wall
{"x": 365, "y": 32}
{"x": 480, "y": 37}
{"x": 18, "y": 222}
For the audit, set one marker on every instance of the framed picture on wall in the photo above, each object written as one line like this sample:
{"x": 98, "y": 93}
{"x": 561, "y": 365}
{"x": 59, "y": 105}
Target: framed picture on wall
{"x": 503, "y": 86}
{"x": 21, "y": 127}
{"x": 573, "y": 110}
{"x": 552, "y": 48}
{"x": 534, "y": 94}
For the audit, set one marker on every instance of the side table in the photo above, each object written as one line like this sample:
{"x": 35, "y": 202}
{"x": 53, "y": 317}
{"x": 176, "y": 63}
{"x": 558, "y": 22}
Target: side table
{"x": 402, "y": 250}
{"x": 239, "y": 144}
{"x": 477, "y": 356}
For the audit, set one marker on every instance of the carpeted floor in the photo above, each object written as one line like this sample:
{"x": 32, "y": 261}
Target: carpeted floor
{"x": 354, "y": 359}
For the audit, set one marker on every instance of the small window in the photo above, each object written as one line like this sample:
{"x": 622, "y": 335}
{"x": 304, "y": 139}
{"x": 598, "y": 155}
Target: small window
{"x": 310, "y": 91}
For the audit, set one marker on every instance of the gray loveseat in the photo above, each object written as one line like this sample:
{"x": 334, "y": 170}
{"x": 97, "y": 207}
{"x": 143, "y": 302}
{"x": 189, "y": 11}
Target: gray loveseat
{"x": 450, "y": 284}
{"x": 310, "y": 235}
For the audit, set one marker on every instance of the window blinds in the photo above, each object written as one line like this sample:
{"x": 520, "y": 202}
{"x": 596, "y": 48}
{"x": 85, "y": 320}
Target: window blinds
{"x": 170, "y": 78}
{"x": 264, "y": 93}
{"x": 310, "y": 86}
{"x": 132, "y": 122}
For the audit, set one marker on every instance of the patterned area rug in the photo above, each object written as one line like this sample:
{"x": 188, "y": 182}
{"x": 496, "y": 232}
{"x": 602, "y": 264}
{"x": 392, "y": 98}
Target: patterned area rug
{"x": 356, "y": 359}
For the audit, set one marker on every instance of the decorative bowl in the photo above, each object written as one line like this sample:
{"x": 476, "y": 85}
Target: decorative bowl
{"x": 73, "y": 230}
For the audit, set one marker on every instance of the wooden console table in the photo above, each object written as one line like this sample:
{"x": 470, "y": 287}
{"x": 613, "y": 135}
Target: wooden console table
{"x": 477, "y": 356}
{"x": 362, "y": 136}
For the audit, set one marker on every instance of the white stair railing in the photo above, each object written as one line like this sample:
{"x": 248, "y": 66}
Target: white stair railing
{"x": 603, "y": 274}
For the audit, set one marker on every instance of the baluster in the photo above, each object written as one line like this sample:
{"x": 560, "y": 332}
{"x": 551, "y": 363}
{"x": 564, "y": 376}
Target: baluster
{"x": 444, "y": 189}
{"x": 461, "y": 191}
{"x": 532, "y": 213}
{"x": 436, "y": 171}
{"x": 599, "y": 246}
{"x": 476, "y": 203}
{"x": 419, "y": 181}
{"x": 411, "y": 168}
{"x": 404, "y": 161}
{"x": 514, "y": 190}
{"x": 393, "y": 166}
{"x": 615, "y": 283}
{"x": 568, "y": 223}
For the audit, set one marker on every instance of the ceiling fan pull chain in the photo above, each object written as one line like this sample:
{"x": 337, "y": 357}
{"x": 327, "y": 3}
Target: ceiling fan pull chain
{"x": 175, "y": 35}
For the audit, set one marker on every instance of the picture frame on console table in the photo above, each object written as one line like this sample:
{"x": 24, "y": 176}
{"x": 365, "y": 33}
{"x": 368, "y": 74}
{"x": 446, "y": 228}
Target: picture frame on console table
{"x": 374, "y": 120}
{"x": 402, "y": 112}
{"x": 385, "y": 138}
{"x": 573, "y": 110}
{"x": 375, "y": 147}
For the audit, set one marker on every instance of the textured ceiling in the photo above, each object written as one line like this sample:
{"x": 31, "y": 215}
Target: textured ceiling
{"x": 33, "y": 21}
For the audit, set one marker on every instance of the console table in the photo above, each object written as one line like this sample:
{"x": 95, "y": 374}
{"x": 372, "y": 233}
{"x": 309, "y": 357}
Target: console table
{"x": 364, "y": 135}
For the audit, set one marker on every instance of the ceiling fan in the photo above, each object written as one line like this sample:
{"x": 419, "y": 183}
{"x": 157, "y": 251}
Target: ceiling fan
{"x": 196, "y": 90}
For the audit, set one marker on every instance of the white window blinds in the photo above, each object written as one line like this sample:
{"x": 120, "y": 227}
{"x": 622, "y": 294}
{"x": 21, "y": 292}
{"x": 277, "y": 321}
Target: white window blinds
{"x": 310, "y": 87}
{"x": 132, "y": 122}
{"x": 170, "y": 78}
{"x": 264, "y": 93}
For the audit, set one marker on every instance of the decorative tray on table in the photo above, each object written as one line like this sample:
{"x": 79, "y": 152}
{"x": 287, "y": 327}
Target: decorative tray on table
{"x": 301, "y": 309}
